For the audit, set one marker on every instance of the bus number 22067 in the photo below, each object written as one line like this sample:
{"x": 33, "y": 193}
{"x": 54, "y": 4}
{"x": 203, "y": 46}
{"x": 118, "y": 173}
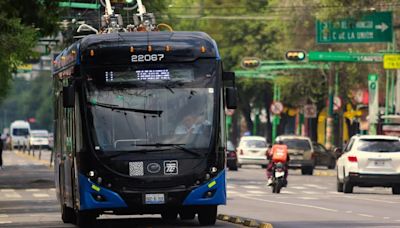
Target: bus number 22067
{"x": 147, "y": 58}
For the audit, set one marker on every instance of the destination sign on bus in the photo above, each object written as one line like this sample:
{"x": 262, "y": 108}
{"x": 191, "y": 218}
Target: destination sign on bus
{"x": 148, "y": 75}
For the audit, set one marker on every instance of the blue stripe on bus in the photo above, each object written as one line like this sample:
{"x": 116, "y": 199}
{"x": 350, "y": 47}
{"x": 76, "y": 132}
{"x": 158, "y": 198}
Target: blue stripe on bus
{"x": 216, "y": 185}
{"x": 88, "y": 188}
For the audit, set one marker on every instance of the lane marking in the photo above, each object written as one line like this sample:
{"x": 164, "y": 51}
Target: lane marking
{"x": 287, "y": 192}
{"x": 298, "y": 187}
{"x": 7, "y": 190}
{"x": 292, "y": 204}
{"x": 373, "y": 200}
{"x": 310, "y": 192}
{"x": 349, "y": 212}
{"x": 13, "y": 195}
{"x": 256, "y": 192}
{"x": 230, "y": 187}
{"x": 5, "y": 222}
{"x": 41, "y": 195}
{"x": 386, "y": 217}
{"x": 32, "y": 190}
{"x": 4, "y": 216}
{"x": 307, "y": 198}
{"x": 365, "y": 215}
{"x": 251, "y": 187}
{"x": 231, "y": 192}
{"x": 315, "y": 186}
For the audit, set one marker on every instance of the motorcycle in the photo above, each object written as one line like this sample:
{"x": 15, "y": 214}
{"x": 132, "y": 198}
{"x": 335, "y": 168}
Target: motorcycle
{"x": 278, "y": 177}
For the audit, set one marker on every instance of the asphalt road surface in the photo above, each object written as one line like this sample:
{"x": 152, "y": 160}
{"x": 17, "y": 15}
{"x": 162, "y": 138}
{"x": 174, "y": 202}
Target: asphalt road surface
{"x": 27, "y": 199}
{"x": 309, "y": 201}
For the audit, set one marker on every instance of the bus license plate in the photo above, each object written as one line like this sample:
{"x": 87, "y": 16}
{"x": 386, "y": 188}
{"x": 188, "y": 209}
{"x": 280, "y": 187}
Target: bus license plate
{"x": 154, "y": 199}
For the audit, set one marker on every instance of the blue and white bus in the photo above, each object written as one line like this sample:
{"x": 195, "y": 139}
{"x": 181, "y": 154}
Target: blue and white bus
{"x": 119, "y": 101}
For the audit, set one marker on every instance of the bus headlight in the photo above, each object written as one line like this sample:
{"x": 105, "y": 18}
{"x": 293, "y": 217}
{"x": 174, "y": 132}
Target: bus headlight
{"x": 213, "y": 170}
{"x": 92, "y": 173}
{"x": 207, "y": 176}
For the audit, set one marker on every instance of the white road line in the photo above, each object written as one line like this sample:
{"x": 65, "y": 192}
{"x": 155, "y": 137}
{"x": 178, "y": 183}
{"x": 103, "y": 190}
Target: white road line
{"x": 373, "y": 200}
{"x": 315, "y": 186}
{"x": 307, "y": 198}
{"x": 256, "y": 192}
{"x": 386, "y": 217}
{"x": 349, "y": 212}
{"x": 41, "y": 195}
{"x": 298, "y": 187}
{"x": 230, "y": 187}
{"x": 309, "y": 192}
{"x": 7, "y": 190}
{"x": 287, "y": 192}
{"x": 3, "y": 216}
{"x": 13, "y": 195}
{"x": 335, "y": 193}
{"x": 52, "y": 189}
{"x": 231, "y": 192}
{"x": 365, "y": 215}
{"x": 252, "y": 187}
{"x": 32, "y": 190}
{"x": 5, "y": 222}
{"x": 291, "y": 204}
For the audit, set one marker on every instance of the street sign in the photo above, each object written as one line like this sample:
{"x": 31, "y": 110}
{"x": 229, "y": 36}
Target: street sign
{"x": 371, "y": 27}
{"x": 373, "y": 105}
{"x": 317, "y": 56}
{"x": 310, "y": 111}
{"x": 391, "y": 61}
{"x": 276, "y": 107}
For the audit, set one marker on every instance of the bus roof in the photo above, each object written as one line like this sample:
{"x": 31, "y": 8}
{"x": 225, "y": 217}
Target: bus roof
{"x": 117, "y": 48}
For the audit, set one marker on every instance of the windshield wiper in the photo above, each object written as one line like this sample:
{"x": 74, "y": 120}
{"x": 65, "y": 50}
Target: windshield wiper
{"x": 174, "y": 145}
{"x": 116, "y": 107}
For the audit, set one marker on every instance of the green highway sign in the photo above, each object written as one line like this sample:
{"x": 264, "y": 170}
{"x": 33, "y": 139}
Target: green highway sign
{"x": 79, "y": 5}
{"x": 371, "y": 27}
{"x": 316, "y": 56}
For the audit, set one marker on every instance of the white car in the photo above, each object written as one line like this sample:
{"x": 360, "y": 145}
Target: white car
{"x": 369, "y": 161}
{"x": 39, "y": 139}
{"x": 252, "y": 151}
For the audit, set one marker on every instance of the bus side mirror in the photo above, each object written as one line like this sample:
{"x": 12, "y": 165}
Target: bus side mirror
{"x": 68, "y": 96}
{"x": 228, "y": 76}
{"x": 231, "y": 98}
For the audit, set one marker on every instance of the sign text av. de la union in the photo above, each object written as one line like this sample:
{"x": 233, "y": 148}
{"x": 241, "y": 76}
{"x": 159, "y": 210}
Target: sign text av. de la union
{"x": 371, "y": 27}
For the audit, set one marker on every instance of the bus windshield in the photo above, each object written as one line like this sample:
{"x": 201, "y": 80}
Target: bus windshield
{"x": 133, "y": 114}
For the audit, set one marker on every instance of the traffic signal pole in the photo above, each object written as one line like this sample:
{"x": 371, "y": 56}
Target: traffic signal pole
{"x": 329, "y": 119}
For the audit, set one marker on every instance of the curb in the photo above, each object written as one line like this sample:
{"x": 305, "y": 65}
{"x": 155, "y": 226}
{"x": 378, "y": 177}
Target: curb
{"x": 243, "y": 221}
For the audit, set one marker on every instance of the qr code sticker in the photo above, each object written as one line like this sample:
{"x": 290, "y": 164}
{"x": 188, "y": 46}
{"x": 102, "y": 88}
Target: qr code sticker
{"x": 136, "y": 169}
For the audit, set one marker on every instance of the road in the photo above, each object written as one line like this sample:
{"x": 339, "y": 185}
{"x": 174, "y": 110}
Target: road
{"x": 309, "y": 201}
{"x": 27, "y": 199}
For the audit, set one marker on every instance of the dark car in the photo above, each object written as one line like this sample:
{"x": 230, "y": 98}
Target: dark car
{"x": 231, "y": 158}
{"x": 324, "y": 157}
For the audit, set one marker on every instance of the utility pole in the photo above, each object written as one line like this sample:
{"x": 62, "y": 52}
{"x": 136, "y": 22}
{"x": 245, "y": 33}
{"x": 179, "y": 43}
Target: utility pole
{"x": 329, "y": 119}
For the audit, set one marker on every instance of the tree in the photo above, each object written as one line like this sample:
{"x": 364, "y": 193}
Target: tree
{"x": 21, "y": 23}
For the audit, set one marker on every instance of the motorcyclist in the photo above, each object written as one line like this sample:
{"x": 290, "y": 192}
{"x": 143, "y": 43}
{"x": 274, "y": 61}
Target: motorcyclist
{"x": 277, "y": 153}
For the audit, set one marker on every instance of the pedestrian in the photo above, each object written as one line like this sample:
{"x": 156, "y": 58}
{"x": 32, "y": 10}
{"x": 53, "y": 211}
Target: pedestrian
{"x": 1, "y": 152}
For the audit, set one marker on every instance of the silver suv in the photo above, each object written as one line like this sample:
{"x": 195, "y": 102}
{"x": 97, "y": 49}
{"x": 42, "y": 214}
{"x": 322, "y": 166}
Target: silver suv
{"x": 301, "y": 152}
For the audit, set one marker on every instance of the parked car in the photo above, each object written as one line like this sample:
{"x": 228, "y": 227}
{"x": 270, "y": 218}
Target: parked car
{"x": 252, "y": 151}
{"x": 39, "y": 139}
{"x": 231, "y": 157}
{"x": 369, "y": 161}
{"x": 301, "y": 152}
{"x": 324, "y": 157}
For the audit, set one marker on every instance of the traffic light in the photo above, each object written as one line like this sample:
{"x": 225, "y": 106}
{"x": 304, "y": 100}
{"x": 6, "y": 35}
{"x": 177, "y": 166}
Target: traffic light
{"x": 251, "y": 62}
{"x": 295, "y": 55}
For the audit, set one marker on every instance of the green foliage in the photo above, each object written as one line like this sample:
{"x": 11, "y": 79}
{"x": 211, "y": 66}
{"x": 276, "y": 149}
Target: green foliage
{"x": 30, "y": 99}
{"x": 21, "y": 23}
